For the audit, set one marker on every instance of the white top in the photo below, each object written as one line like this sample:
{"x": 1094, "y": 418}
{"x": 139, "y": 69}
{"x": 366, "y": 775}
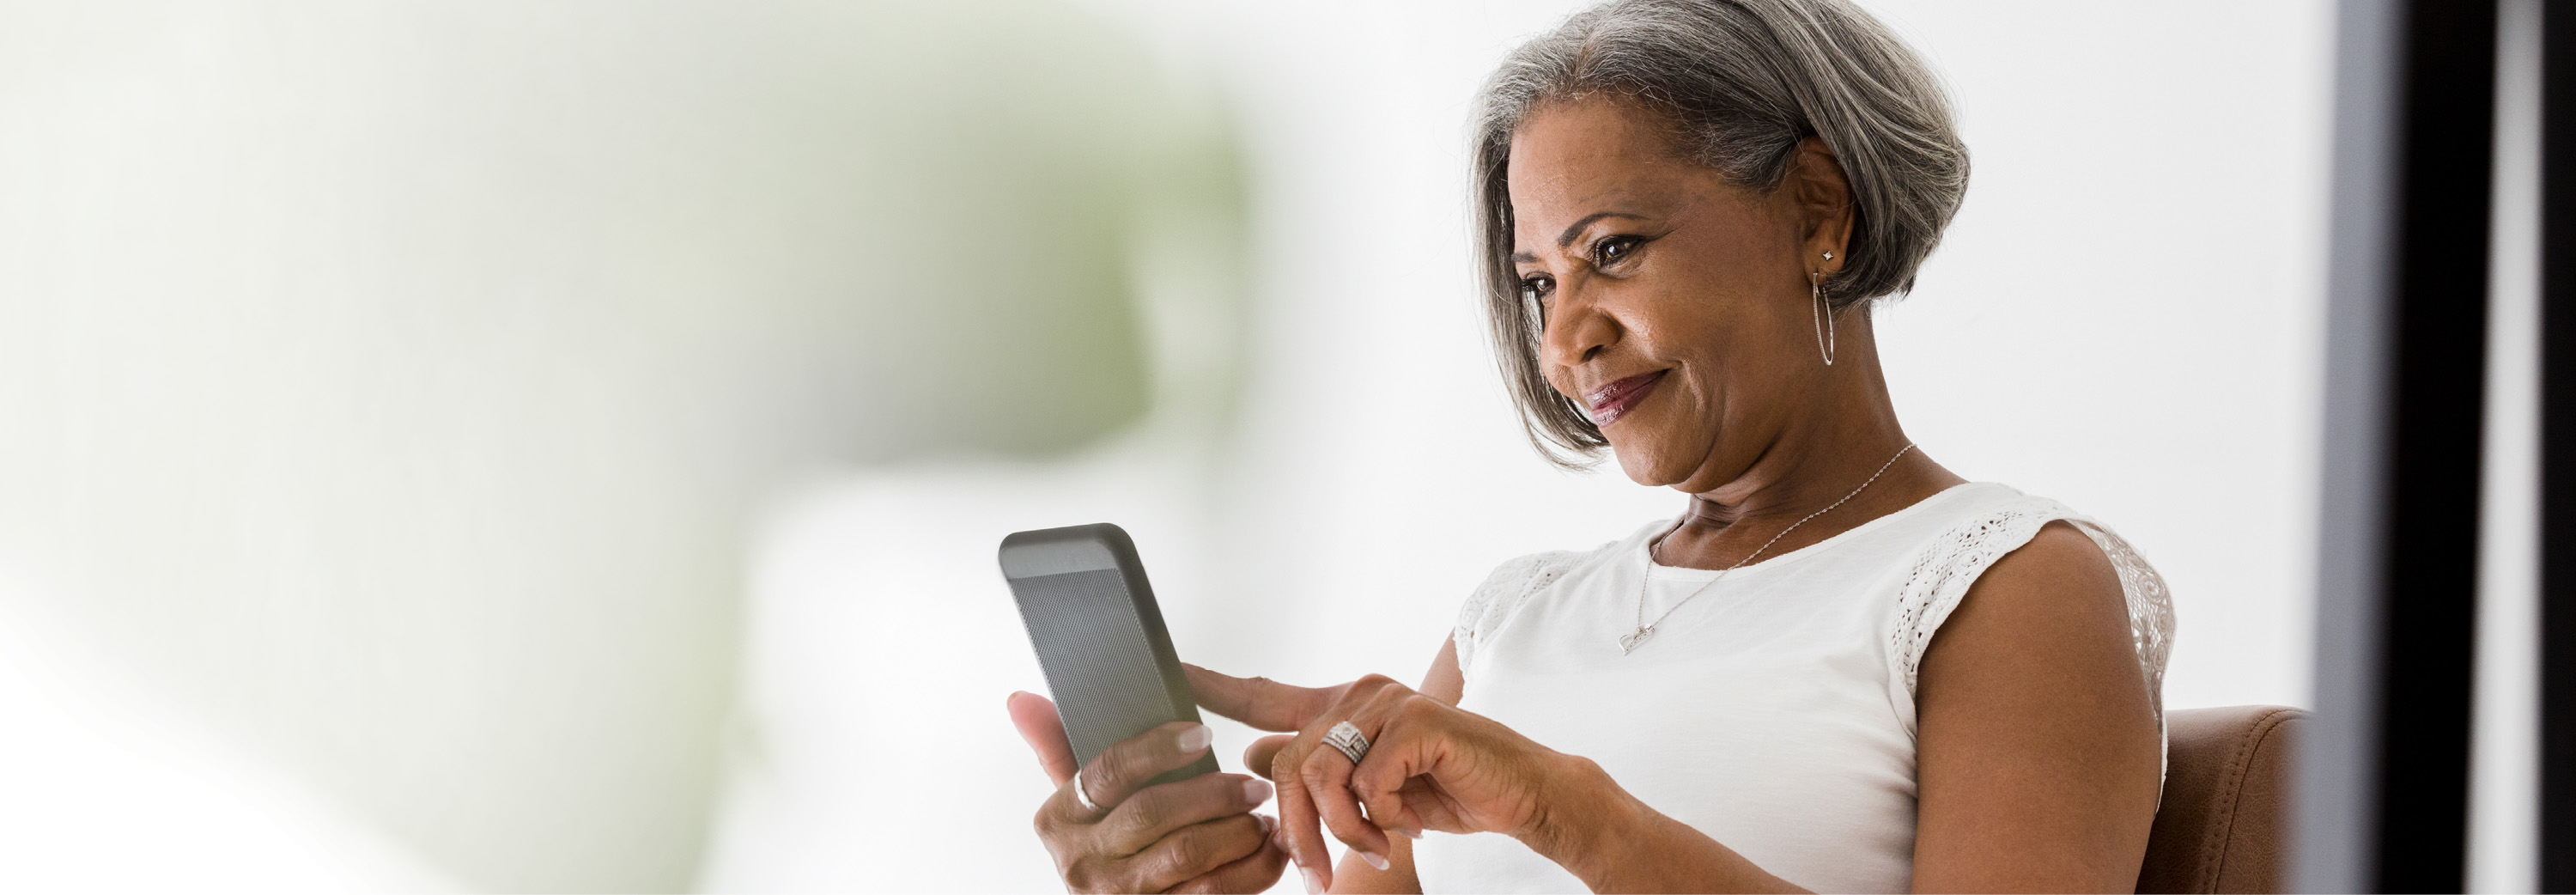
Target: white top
{"x": 1774, "y": 712}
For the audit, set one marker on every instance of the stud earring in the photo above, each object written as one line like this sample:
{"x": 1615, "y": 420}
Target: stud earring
{"x": 1829, "y": 256}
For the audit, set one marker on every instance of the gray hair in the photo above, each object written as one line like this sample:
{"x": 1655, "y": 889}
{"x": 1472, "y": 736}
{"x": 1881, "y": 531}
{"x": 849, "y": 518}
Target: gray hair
{"x": 1742, "y": 82}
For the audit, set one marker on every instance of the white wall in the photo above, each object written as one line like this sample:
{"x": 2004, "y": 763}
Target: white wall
{"x": 388, "y": 387}
{"x": 2125, "y": 316}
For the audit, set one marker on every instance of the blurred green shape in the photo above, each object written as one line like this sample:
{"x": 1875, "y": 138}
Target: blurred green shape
{"x": 396, "y": 380}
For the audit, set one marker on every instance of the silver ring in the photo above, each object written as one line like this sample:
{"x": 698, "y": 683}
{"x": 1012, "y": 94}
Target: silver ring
{"x": 1346, "y": 738}
{"x": 1083, "y": 797}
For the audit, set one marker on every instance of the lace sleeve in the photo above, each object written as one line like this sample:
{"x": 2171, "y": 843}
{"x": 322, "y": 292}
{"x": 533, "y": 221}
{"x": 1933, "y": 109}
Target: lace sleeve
{"x": 2151, "y": 615}
{"x": 1493, "y": 601}
{"x": 1943, "y": 572}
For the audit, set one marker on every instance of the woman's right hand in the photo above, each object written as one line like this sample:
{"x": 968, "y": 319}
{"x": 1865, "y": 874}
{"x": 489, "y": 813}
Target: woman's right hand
{"x": 1195, "y": 835}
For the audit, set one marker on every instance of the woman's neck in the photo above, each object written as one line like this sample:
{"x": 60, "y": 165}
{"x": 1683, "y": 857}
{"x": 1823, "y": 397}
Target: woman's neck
{"x": 1825, "y": 458}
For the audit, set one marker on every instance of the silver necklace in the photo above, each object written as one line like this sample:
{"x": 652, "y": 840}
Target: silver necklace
{"x": 1628, "y": 644}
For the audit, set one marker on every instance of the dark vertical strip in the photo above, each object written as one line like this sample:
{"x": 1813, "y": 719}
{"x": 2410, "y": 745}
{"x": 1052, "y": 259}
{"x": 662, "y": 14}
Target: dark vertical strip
{"x": 2558, "y": 448}
{"x": 2430, "y": 642}
{"x": 2385, "y": 799}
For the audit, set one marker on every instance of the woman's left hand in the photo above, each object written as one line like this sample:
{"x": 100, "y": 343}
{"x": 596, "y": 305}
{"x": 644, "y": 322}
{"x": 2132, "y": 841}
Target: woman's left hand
{"x": 1429, "y": 766}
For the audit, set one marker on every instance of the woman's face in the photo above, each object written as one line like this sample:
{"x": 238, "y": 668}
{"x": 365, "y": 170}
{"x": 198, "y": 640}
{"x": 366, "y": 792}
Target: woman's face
{"x": 1676, "y": 304}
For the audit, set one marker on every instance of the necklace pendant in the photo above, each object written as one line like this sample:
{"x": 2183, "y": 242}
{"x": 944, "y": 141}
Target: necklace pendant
{"x": 1628, "y": 644}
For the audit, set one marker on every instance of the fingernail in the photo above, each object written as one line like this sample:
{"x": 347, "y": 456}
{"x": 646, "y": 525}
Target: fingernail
{"x": 1256, "y": 790}
{"x": 1269, "y": 825}
{"x": 1411, "y": 833}
{"x": 1196, "y": 738}
{"x": 1314, "y": 881}
{"x": 1372, "y": 858}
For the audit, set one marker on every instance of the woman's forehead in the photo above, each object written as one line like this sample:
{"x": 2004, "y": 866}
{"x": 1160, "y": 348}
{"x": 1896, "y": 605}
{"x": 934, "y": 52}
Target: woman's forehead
{"x": 1581, "y": 160}
{"x": 1590, "y": 140}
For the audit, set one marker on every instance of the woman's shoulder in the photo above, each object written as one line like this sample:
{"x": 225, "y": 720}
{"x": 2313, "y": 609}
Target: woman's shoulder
{"x": 1992, "y": 521}
{"x": 1980, "y": 524}
{"x": 1518, "y": 577}
{"x": 1969, "y": 526}
{"x": 1989, "y": 520}
{"x": 1513, "y": 581}
{"x": 1554, "y": 563}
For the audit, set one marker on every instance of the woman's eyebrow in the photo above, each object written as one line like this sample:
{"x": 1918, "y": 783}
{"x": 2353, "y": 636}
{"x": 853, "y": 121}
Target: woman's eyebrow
{"x": 1567, "y": 238}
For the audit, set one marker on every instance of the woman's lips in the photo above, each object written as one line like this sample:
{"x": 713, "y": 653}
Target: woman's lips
{"x": 1613, "y": 401}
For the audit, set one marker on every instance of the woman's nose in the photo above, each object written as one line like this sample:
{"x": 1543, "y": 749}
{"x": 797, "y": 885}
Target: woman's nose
{"x": 1574, "y": 333}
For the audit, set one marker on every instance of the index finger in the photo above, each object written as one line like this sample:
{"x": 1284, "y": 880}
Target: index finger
{"x": 1260, "y": 702}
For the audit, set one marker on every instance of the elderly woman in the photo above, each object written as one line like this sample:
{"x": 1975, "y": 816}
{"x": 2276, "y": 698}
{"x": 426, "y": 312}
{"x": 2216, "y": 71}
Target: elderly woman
{"x": 1843, "y": 668}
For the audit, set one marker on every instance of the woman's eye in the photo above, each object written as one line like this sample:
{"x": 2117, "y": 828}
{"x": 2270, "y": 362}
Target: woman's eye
{"x": 1613, "y": 250}
{"x": 1536, "y": 289}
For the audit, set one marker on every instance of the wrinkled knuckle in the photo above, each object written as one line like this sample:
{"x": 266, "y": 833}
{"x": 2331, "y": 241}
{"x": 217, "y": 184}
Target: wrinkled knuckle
{"x": 1153, "y": 868}
{"x": 1111, "y": 775}
{"x": 1082, "y": 878}
{"x": 1377, "y": 681}
{"x": 1149, "y": 812}
{"x": 1364, "y": 788}
{"x": 1315, "y": 770}
{"x": 1170, "y": 861}
{"x": 1189, "y": 852}
{"x": 1418, "y": 706}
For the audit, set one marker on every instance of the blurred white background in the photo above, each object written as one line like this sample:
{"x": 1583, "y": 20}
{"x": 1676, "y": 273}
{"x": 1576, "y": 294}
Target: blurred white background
{"x": 2125, "y": 316}
{"x": 502, "y": 446}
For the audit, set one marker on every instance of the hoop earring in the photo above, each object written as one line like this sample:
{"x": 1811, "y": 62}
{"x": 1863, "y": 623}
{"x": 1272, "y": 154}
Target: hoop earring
{"x": 1824, "y": 318}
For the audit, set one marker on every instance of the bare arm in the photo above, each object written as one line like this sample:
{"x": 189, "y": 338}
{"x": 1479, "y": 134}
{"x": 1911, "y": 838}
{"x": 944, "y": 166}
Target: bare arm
{"x": 2038, "y": 758}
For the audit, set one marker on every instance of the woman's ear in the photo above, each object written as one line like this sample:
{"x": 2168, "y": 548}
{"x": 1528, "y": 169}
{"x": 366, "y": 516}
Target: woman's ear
{"x": 1824, "y": 200}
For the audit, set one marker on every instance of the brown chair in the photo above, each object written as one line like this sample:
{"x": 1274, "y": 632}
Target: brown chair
{"x": 2226, "y": 801}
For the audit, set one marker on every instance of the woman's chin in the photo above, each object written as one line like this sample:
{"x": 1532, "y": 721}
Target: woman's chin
{"x": 1681, "y": 462}
{"x": 1647, "y": 466}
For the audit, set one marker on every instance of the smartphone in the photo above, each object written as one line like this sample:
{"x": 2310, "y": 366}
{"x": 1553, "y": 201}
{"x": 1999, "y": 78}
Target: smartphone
{"x": 1099, "y": 638}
